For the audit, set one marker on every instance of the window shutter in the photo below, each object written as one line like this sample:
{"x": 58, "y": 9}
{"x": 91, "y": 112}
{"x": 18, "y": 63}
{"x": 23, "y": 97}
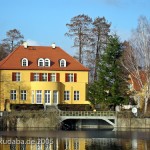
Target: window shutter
{"x": 49, "y": 76}
{"x": 66, "y": 77}
{"x": 57, "y": 77}
{"x": 40, "y": 75}
{"x": 13, "y": 76}
{"x": 32, "y": 77}
{"x": 75, "y": 77}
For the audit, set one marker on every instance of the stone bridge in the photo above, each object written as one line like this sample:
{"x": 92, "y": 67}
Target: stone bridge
{"x": 108, "y": 116}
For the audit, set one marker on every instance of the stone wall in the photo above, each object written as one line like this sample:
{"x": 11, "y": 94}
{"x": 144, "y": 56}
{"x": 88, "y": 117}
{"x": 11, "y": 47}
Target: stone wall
{"x": 35, "y": 123}
{"x": 133, "y": 122}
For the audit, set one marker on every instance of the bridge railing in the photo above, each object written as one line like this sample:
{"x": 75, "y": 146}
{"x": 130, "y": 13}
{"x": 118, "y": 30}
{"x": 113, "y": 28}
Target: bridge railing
{"x": 87, "y": 113}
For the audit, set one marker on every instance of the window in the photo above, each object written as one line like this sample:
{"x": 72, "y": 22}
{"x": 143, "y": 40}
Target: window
{"x": 16, "y": 76}
{"x": 47, "y": 96}
{"x": 71, "y": 77}
{"x": 76, "y": 144}
{"x": 76, "y": 95}
{"x": 47, "y": 145}
{"x": 41, "y": 62}
{"x": 24, "y": 62}
{"x": 47, "y": 62}
{"x": 23, "y": 94}
{"x": 66, "y": 95}
{"x": 62, "y": 63}
{"x": 13, "y": 94}
{"x": 53, "y": 77}
{"x": 44, "y": 76}
{"x": 66, "y": 144}
{"x": 39, "y": 96}
{"x": 39, "y": 145}
{"x": 12, "y": 146}
{"x": 36, "y": 77}
{"x": 55, "y": 97}
{"x": 22, "y": 146}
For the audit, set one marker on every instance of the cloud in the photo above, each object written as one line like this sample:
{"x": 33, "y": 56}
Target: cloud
{"x": 33, "y": 43}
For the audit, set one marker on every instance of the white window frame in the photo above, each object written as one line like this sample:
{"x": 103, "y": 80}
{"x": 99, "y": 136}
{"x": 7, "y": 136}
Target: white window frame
{"x": 66, "y": 95}
{"x": 41, "y": 62}
{"x": 66, "y": 144}
{"x": 44, "y": 77}
{"x": 55, "y": 101}
{"x": 36, "y": 76}
{"x": 62, "y": 63}
{"x": 18, "y": 76}
{"x": 76, "y": 95}
{"x": 47, "y": 62}
{"x": 23, "y": 95}
{"x": 53, "y": 77}
{"x": 70, "y": 77}
{"x": 39, "y": 144}
{"x": 13, "y": 94}
{"x": 47, "y": 97}
{"x": 47, "y": 145}
{"x": 38, "y": 96}
{"x": 76, "y": 144}
{"x": 24, "y": 62}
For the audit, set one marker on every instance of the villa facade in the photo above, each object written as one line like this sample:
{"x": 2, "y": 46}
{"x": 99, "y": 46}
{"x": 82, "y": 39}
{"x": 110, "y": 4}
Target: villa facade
{"x": 42, "y": 75}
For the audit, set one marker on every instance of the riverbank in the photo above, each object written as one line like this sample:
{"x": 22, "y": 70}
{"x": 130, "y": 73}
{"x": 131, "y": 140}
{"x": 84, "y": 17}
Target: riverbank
{"x": 133, "y": 123}
{"x": 51, "y": 119}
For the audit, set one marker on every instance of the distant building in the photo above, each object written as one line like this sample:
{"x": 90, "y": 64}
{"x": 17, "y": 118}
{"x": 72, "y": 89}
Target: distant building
{"x": 137, "y": 80}
{"x": 42, "y": 75}
{"x": 137, "y": 84}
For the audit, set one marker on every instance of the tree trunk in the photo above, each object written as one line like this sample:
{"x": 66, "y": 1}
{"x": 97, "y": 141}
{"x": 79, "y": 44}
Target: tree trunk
{"x": 96, "y": 59}
{"x": 12, "y": 46}
{"x": 145, "y": 104}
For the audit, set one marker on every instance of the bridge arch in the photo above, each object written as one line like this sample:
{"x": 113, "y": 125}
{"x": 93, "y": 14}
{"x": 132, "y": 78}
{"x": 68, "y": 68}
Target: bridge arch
{"x": 109, "y": 117}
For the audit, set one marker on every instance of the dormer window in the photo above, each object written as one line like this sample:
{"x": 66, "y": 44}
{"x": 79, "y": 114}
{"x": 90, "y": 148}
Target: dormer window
{"x": 24, "y": 62}
{"x": 62, "y": 63}
{"x": 41, "y": 62}
{"x": 47, "y": 62}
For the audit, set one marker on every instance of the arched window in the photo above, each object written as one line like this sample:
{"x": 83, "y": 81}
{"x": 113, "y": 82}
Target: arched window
{"x": 47, "y": 62}
{"x": 62, "y": 63}
{"x": 41, "y": 62}
{"x": 24, "y": 62}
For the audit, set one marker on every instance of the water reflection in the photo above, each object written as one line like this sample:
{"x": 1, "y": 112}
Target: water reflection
{"x": 75, "y": 140}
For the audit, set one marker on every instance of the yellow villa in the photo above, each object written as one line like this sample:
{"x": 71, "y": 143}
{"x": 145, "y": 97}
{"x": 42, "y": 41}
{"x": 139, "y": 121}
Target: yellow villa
{"x": 42, "y": 75}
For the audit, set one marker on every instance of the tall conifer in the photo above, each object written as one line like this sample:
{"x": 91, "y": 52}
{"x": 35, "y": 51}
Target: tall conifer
{"x": 110, "y": 87}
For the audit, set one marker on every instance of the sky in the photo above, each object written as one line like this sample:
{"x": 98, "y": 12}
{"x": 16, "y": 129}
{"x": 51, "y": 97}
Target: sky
{"x": 43, "y": 22}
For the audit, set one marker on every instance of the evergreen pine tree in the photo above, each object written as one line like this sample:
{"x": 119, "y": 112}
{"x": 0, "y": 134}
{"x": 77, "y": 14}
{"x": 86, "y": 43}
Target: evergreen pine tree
{"x": 110, "y": 87}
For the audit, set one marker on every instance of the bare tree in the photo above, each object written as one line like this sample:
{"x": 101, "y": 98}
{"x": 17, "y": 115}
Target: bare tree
{"x": 100, "y": 32}
{"x": 137, "y": 58}
{"x": 3, "y": 53}
{"x": 79, "y": 28}
{"x": 14, "y": 38}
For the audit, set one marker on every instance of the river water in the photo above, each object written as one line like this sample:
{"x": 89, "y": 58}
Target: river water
{"x": 89, "y": 139}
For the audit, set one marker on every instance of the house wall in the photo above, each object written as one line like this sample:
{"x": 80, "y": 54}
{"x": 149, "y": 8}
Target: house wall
{"x": 31, "y": 87}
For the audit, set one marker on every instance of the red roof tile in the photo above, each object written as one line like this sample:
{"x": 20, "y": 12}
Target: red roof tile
{"x": 33, "y": 53}
{"x": 138, "y": 80}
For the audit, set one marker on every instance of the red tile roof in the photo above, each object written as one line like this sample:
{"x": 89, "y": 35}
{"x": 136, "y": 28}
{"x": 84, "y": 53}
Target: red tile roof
{"x": 138, "y": 80}
{"x": 33, "y": 53}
